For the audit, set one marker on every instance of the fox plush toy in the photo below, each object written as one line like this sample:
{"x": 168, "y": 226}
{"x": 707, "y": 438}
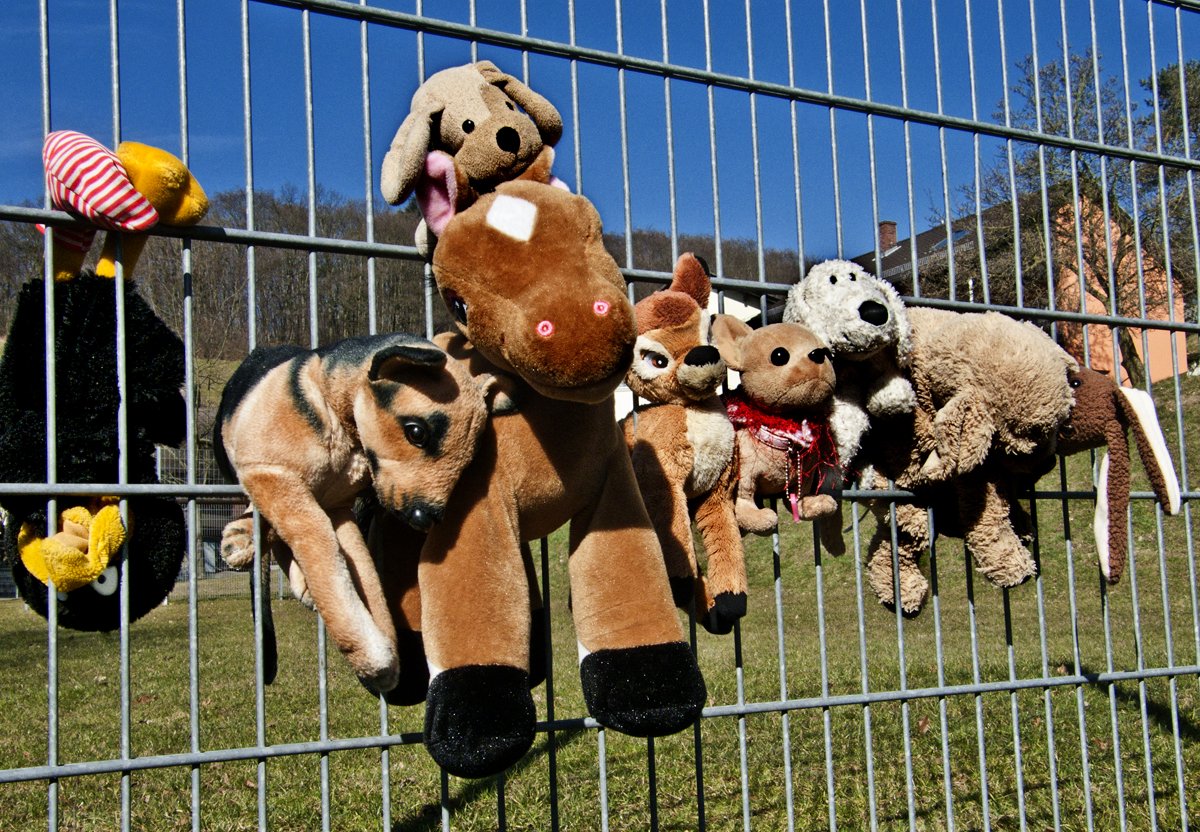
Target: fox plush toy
{"x": 682, "y": 446}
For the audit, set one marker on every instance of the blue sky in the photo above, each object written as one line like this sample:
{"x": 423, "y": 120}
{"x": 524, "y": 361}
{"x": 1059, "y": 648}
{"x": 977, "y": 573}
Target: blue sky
{"x": 81, "y": 98}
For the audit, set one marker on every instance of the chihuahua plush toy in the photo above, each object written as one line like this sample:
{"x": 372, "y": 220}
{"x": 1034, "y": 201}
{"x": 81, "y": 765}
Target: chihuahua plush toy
{"x": 781, "y": 412}
{"x": 484, "y": 127}
{"x": 306, "y": 432}
{"x": 682, "y": 446}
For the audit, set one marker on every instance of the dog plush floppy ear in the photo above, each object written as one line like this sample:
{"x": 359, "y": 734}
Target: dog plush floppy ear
{"x": 1104, "y": 413}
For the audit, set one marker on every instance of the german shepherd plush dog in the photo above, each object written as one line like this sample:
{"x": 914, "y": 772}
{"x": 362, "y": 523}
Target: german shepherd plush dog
{"x": 305, "y": 432}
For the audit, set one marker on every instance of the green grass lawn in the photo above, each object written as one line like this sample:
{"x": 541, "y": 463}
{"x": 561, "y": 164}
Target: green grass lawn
{"x": 1149, "y": 729}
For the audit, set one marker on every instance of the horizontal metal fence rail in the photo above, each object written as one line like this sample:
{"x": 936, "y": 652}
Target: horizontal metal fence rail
{"x": 974, "y": 715}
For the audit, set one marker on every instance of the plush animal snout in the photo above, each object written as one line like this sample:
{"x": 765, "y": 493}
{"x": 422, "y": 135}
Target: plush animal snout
{"x": 421, "y": 515}
{"x": 508, "y": 140}
{"x": 702, "y": 356}
{"x": 873, "y": 312}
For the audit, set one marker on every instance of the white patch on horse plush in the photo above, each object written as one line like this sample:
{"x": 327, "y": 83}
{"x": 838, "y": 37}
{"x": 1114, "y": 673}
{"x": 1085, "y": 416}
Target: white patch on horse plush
{"x": 513, "y": 217}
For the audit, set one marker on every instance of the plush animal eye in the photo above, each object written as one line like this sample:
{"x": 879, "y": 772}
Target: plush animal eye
{"x": 509, "y": 105}
{"x": 853, "y": 276}
{"x": 458, "y": 308}
{"x": 416, "y": 432}
{"x": 468, "y": 126}
{"x": 657, "y": 361}
{"x": 818, "y": 355}
{"x": 833, "y": 278}
{"x": 780, "y": 356}
{"x": 1074, "y": 381}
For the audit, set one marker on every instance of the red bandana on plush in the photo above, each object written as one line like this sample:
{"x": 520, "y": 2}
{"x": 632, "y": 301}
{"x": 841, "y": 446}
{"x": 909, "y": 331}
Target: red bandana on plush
{"x": 811, "y": 451}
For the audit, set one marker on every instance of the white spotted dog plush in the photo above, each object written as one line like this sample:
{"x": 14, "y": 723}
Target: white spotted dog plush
{"x": 683, "y": 448}
{"x": 863, "y": 321}
{"x": 306, "y": 432}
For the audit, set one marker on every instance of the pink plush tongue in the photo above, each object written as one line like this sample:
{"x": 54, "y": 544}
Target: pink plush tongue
{"x": 794, "y": 499}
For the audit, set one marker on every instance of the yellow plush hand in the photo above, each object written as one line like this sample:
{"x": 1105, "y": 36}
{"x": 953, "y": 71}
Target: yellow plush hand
{"x": 77, "y": 555}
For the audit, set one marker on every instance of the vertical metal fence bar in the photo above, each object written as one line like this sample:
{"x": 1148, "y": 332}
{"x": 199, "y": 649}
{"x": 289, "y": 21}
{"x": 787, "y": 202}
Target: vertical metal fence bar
{"x": 1047, "y": 697}
{"x": 1195, "y": 235}
{"x": 372, "y": 312}
{"x": 940, "y": 654}
{"x": 795, "y": 136}
{"x": 743, "y": 769}
{"x": 602, "y": 752}
{"x": 719, "y": 265}
{"x": 122, "y": 438}
{"x": 189, "y": 389}
{"x": 781, "y": 658}
{"x": 670, "y": 138}
{"x": 902, "y": 47}
{"x": 548, "y": 642}
{"x": 901, "y": 660}
{"x": 754, "y": 153}
{"x": 983, "y": 267}
{"x": 833, "y": 143}
{"x": 1015, "y": 712}
{"x": 623, "y": 121}
{"x": 985, "y": 803}
{"x": 947, "y": 206}
{"x": 1158, "y": 515}
{"x": 51, "y": 433}
{"x": 864, "y": 672}
{"x": 1075, "y": 652}
{"x": 1047, "y": 221}
{"x": 1010, "y": 159}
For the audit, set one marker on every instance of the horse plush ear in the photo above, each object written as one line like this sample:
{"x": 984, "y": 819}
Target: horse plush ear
{"x": 1134, "y": 410}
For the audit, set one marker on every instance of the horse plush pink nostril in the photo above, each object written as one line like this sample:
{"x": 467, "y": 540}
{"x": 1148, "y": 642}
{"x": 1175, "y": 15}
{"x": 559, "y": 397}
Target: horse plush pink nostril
{"x": 545, "y": 329}
{"x": 601, "y": 308}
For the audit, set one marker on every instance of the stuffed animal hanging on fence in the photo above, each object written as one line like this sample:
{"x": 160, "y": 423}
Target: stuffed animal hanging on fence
{"x": 306, "y": 432}
{"x": 993, "y": 395}
{"x": 125, "y": 193}
{"x": 539, "y": 302}
{"x": 683, "y": 449}
{"x": 781, "y": 411}
{"x": 466, "y": 119}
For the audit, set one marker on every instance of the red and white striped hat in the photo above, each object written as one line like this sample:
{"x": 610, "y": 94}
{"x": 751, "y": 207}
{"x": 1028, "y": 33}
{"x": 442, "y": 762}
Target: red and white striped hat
{"x": 88, "y": 179}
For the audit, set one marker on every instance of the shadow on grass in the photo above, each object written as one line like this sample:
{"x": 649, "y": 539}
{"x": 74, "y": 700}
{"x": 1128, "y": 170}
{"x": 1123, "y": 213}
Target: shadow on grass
{"x": 428, "y": 818}
{"x": 1161, "y": 714}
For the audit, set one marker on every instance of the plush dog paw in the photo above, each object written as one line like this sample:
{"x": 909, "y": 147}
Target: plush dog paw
{"x": 237, "y": 542}
{"x": 479, "y": 719}
{"x": 754, "y": 520}
{"x": 375, "y": 662}
{"x": 645, "y": 691}
{"x": 727, "y": 609}
{"x": 913, "y": 585}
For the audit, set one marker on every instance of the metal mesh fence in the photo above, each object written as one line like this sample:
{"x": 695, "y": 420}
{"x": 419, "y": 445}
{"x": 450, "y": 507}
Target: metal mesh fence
{"x": 1032, "y": 158}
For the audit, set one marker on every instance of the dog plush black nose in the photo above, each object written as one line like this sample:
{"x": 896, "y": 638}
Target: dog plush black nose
{"x": 508, "y": 140}
{"x": 421, "y": 515}
{"x": 702, "y": 356}
{"x": 873, "y": 312}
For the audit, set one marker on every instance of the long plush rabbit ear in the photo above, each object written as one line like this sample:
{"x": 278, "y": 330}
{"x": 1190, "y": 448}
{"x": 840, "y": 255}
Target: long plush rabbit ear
{"x": 1138, "y": 410}
{"x": 405, "y": 158}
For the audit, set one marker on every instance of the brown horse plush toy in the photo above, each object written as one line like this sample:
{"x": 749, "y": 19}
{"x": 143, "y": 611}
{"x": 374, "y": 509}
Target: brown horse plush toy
{"x": 540, "y": 304}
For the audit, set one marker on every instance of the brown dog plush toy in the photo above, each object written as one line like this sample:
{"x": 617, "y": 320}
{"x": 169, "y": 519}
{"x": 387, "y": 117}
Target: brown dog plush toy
{"x": 781, "y": 411}
{"x": 305, "y": 432}
{"x": 992, "y": 395}
{"x": 682, "y": 446}
{"x": 469, "y": 115}
{"x": 539, "y": 300}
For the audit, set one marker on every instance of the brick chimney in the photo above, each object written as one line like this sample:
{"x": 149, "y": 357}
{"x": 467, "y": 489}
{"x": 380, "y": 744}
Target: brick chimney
{"x": 887, "y": 235}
